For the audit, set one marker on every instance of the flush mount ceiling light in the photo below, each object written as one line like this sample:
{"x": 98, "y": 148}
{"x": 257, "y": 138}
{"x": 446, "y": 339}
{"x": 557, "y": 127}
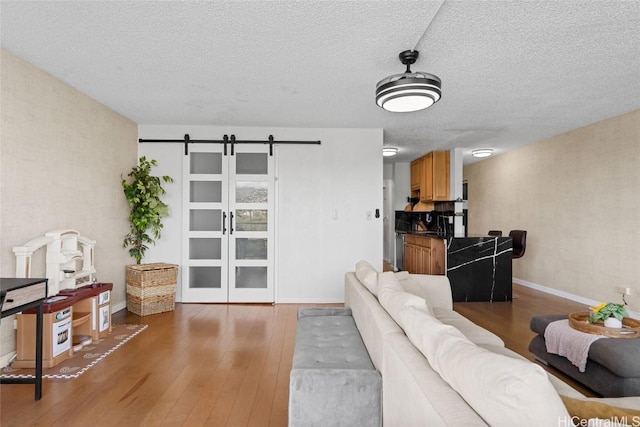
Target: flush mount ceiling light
{"x": 482, "y": 152}
{"x": 389, "y": 151}
{"x": 408, "y": 91}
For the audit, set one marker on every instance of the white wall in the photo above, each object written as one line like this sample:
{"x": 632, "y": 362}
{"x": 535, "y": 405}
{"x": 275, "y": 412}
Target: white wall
{"x": 313, "y": 250}
{"x": 401, "y": 184}
{"x": 169, "y": 159}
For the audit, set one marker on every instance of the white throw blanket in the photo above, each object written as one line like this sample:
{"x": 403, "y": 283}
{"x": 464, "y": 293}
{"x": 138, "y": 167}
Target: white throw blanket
{"x": 563, "y": 340}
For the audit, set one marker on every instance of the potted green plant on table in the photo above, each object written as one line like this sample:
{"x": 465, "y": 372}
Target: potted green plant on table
{"x": 150, "y": 287}
{"x": 609, "y": 313}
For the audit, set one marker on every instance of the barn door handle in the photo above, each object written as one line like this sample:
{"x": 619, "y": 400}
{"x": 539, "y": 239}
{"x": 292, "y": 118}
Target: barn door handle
{"x": 224, "y": 223}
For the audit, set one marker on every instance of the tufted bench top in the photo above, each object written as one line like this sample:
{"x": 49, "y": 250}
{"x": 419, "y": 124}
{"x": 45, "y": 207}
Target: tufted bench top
{"x": 329, "y": 340}
{"x": 333, "y": 381}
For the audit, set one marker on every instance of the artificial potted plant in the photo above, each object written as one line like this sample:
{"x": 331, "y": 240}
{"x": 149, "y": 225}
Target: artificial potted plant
{"x": 609, "y": 313}
{"x": 143, "y": 192}
{"x": 150, "y": 287}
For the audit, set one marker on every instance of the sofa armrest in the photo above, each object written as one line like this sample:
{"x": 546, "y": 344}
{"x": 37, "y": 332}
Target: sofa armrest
{"x": 435, "y": 289}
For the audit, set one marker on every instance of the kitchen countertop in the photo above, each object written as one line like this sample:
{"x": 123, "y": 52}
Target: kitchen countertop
{"x": 423, "y": 233}
{"x": 443, "y": 236}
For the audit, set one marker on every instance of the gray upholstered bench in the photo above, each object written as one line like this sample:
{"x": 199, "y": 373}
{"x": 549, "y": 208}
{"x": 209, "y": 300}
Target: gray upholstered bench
{"x": 333, "y": 381}
{"x": 613, "y": 365}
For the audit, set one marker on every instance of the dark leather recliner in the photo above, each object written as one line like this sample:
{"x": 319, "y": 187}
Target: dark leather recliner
{"x": 519, "y": 238}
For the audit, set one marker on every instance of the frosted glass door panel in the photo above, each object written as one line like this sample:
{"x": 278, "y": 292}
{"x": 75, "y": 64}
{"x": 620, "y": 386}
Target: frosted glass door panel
{"x": 251, "y": 220}
{"x": 205, "y": 248}
{"x": 251, "y": 277}
{"x": 206, "y": 163}
{"x": 252, "y": 192}
{"x": 252, "y": 163}
{"x": 251, "y": 248}
{"x": 205, "y": 220}
{"x": 205, "y": 277}
{"x": 205, "y": 191}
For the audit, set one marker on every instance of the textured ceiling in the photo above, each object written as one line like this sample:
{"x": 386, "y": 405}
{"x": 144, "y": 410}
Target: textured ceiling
{"x": 513, "y": 72}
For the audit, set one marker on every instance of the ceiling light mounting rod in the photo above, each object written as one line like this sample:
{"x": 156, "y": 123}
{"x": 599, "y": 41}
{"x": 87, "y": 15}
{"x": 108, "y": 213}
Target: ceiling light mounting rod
{"x": 428, "y": 25}
{"x": 408, "y": 57}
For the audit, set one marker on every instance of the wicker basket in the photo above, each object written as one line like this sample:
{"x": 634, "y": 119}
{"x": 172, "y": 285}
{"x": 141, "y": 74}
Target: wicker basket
{"x": 151, "y": 288}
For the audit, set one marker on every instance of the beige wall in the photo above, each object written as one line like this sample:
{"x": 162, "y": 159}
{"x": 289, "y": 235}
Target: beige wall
{"x": 578, "y": 197}
{"x": 61, "y": 157}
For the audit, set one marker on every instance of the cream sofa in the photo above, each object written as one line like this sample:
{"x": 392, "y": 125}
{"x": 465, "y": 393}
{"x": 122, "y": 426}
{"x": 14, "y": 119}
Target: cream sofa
{"x": 440, "y": 369}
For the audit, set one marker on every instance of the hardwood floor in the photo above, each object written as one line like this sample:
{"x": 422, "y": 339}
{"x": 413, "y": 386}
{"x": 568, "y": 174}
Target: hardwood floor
{"x": 510, "y": 321}
{"x": 217, "y": 365}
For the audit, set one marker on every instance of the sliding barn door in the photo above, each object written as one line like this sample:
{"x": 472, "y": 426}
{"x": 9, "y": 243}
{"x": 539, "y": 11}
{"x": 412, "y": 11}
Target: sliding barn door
{"x": 251, "y": 230}
{"x": 228, "y": 244}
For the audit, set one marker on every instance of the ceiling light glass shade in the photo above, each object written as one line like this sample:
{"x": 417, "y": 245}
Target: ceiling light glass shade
{"x": 389, "y": 151}
{"x": 482, "y": 152}
{"x": 406, "y": 92}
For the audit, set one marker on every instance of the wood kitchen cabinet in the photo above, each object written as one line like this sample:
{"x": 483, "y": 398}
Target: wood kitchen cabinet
{"x": 416, "y": 174}
{"x": 430, "y": 176}
{"x": 435, "y": 170}
{"x": 423, "y": 254}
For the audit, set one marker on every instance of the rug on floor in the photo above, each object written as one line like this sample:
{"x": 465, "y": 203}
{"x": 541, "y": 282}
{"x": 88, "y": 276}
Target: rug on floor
{"x": 83, "y": 359}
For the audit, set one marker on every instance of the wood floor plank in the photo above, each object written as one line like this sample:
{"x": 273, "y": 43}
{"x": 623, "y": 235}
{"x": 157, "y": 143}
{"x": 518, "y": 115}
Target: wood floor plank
{"x": 217, "y": 364}
{"x": 162, "y": 413}
{"x": 261, "y": 408}
{"x": 245, "y": 398}
{"x": 279, "y": 411}
{"x": 510, "y": 321}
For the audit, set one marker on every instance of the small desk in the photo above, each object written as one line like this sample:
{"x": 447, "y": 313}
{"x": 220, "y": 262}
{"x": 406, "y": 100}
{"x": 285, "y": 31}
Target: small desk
{"x": 17, "y": 295}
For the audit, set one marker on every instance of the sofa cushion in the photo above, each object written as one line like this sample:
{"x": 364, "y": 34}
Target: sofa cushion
{"x": 562, "y": 388}
{"x": 499, "y": 349}
{"x": 503, "y": 390}
{"x": 402, "y": 275}
{"x": 436, "y": 290}
{"x": 475, "y": 333}
{"x": 408, "y": 283}
{"x": 416, "y": 395}
{"x": 394, "y": 299}
{"x": 372, "y": 320}
{"x": 582, "y": 410}
{"x": 368, "y": 276}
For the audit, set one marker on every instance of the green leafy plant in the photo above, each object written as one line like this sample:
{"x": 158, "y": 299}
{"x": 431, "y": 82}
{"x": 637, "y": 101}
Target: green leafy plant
{"x": 143, "y": 192}
{"x": 606, "y": 310}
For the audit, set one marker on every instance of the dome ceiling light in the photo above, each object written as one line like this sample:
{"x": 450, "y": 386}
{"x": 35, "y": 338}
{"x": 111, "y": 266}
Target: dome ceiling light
{"x": 389, "y": 151}
{"x": 482, "y": 152}
{"x": 408, "y": 91}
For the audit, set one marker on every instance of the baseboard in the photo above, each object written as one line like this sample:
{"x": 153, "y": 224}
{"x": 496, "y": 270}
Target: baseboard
{"x": 117, "y": 307}
{"x": 310, "y": 300}
{"x": 566, "y": 295}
